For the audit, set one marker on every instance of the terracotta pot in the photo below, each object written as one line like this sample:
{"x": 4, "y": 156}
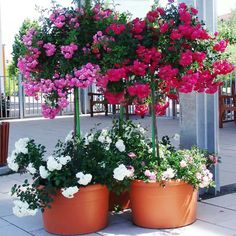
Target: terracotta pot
{"x": 86, "y": 213}
{"x": 121, "y": 201}
{"x": 155, "y": 206}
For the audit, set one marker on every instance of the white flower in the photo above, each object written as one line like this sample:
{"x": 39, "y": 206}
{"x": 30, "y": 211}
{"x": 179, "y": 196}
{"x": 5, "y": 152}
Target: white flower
{"x": 53, "y": 164}
{"x": 142, "y": 130}
{"x": 31, "y": 169}
{"x": 121, "y": 172}
{"x": 84, "y": 179}
{"x": 64, "y": 160}
{"x": 43, "y": 172}
{"x": 104, "y": 132}
{"x": 108, "y": 140}
{"x": 183, "y": 163}
{"x": 69, "y": 137}
{"x": 176, "y": 137}
{"x": 101, "y": 139}
{"x": 168, "y": 174}
{"x": 120, "y": 145}
{"x": 198, "y": 175}
{"x": 22, "y": 209}
{"x": 21, "y": 145}
{"x": 90, "y": 138}
{"x": 13, "y": 166}
{"x": 69, "y": 192}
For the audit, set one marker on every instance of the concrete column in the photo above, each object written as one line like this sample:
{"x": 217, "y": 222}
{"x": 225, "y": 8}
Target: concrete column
{"x": 199, "y": 112}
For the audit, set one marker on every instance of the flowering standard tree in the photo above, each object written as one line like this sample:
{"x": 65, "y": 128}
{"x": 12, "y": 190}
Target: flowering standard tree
{"x": 174, "y": 54}
{"x": 70, "y": 50}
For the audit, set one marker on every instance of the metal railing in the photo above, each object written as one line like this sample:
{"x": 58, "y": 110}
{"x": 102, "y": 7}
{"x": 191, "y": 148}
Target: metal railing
{"x": 15, "y": 104}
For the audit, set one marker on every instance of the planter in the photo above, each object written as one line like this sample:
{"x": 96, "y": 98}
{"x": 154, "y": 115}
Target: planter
{"x": 86, "y": 213}
{"x": 121, "y": 202}
{"x": 155, "y": 206}
{"x": 4, "y": 139}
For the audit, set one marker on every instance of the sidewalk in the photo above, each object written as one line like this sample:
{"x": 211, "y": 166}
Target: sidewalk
{"x": 216, "y": 217}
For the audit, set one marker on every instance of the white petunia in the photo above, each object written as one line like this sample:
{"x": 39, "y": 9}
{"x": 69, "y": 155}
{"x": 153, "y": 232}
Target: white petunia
{"x": 90, "y": 138}
{"x": 53, "y": 164}
{"x": 101, "y": 139}
{"x": 69, "y": 137}
{"x": 168, "y": 174}
{"x": 43, "y": 172}
{"x": 183, "y": 163}
{"x": 120, "y": 145}
{"x": 104, "y": 132}
{"x": 13, "y": 166}
{"x": 31, "y": 169}
{"x": 21, "y": 209}
{"x": 64, "y": 160}
{"x": 108, "y": 140}
{"x": 121, "y": 172}
{"x": 69, "y": 192}
{"x": 84, "y": 179}
{"x": 21, "y": 145}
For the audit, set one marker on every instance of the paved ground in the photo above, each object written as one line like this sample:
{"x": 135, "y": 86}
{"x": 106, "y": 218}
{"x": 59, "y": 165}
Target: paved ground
{"x": 216, "y": 217}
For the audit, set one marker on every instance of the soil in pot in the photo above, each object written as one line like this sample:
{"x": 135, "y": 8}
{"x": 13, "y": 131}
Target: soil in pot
{"x": 86, "y": 213}
{"x": 155, "y": 206}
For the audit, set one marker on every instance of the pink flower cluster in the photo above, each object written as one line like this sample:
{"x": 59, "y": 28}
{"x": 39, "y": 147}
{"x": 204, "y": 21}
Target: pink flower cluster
{"x": 141, "y": 109}
{"x": 139, "y": 90}
{"x": 50, "y": 49}
{"x": 151, "y": 175}
{"x": 28, "y": 37}
{"x": 101, "y": 13}
{"x": 58, "y": 18}
{"x": 69, "y": 50}
{"x": 115, "y": 28}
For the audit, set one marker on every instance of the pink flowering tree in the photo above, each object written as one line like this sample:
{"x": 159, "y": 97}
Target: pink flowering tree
{"x": 174, "y": 53}
{"x": 70, "y": 51}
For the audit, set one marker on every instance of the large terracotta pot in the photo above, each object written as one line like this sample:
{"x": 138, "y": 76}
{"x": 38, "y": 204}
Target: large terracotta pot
{"x": 87, "y": 212}
{"x": 122, "y": 201}
{"x": 155, "y": 206}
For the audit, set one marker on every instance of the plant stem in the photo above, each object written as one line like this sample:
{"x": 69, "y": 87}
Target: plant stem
{"x": 155, "y": 144}
{"x": 76, "y": 113}
{"x": 121, "y": 117}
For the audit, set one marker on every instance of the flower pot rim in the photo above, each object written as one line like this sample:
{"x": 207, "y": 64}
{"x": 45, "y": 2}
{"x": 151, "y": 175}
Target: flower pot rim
{"x": 151, "y": 184}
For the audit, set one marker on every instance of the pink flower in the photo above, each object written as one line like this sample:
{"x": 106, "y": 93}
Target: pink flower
{"x": 183, "y": 164}
{"x": 152, "y": 16}
{"x": 186, "y": 58}
{"x": 116, "y": 75}
{"x": 176, "y": 34}
{"x": 199, "y": 56}
{"x": 132, "y": 155}
{"x": 151, "y": 175}
{"x": 138, "y": 68}
{"x": 50, "y": 49}
{"x": 221, "y": 46}
{"x": 69, "y": 50}
{"x": 138, "y": 26}
{"x": 139, "y": 90}
{"x": 141, "y": 110}
{"x": 164, "y": 27}
{"x": 114, "y": 98}
{"x": 49, "y": 112}
{"x": 161, "y": 109}
{"x": 116, "y": 28}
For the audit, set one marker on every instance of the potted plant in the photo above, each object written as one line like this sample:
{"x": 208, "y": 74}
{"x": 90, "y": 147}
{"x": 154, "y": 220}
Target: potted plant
{"x": 70, "y": 186}
{"x": 174, "y": 54}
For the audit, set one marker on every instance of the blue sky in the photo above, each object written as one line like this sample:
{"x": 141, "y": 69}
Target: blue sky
{"x": 13, "y": 12}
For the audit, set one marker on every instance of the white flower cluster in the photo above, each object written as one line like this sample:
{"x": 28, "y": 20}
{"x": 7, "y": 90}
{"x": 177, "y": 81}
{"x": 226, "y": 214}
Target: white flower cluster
{"x": 168, "y": 174}
{"x": 83, "y": 179}
{"x": 20, "y": 147}
{"x": 21, "y": 209}
{"x": 44, "y": 173}
{"x": 56, "y": 163}
{"x": 31, "y": 169}
{"x": 121, "y": 172}
{"x": 69, "y": 192}
{"x": 205, "y": 177}
{"x": 120, "y": 145}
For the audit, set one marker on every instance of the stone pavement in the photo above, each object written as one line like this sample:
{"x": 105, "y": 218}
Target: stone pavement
{"x": 216, "y": 217}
